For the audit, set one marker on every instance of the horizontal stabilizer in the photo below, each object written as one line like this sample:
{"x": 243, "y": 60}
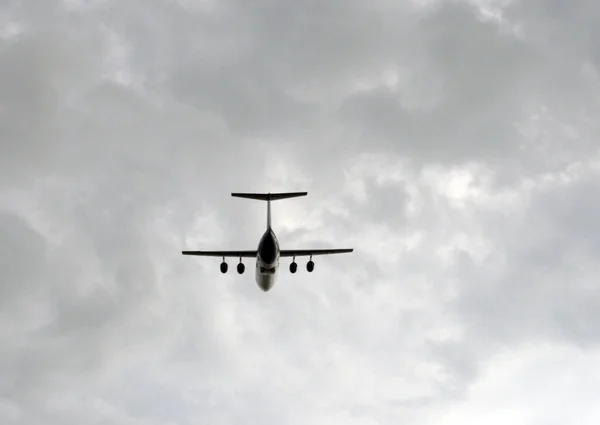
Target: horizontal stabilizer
{"x": 269, "y": 196}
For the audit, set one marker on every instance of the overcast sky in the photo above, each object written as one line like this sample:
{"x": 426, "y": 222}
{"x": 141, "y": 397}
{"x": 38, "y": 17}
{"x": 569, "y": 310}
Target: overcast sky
{"x": 453, "y": 144}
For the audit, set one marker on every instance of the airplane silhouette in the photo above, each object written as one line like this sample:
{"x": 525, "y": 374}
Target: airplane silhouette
{"x": 268, "y": 253}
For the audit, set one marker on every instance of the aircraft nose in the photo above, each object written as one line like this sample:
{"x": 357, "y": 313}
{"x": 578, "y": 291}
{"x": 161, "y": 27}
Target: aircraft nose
{"x": 265, "y": 287}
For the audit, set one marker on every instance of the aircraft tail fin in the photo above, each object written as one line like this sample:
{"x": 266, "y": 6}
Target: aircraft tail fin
{"x": 269, "y": 196}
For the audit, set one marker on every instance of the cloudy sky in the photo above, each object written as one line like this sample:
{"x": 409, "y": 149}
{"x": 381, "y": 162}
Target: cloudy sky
{"x": 453, "y": 144}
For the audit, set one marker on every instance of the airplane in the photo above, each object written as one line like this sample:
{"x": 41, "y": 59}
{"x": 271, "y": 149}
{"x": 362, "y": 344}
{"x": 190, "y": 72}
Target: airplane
{"x": 268, "y": 253}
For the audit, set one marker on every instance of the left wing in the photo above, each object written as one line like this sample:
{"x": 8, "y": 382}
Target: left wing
{"x": 306, "y": 252}
{"x": 247, "y": 253}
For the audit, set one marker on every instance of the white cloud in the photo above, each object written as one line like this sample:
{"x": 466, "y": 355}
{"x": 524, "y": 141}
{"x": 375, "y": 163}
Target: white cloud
{"x": 523, "y": 384}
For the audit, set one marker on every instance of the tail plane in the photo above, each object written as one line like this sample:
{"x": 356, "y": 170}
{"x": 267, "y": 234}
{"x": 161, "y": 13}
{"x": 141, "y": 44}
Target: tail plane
{"x": 269, "y": 197}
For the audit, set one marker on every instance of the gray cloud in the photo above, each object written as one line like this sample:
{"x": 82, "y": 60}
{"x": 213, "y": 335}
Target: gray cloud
{"x": 547, "y": 289}
{"x": 125, "y": 126}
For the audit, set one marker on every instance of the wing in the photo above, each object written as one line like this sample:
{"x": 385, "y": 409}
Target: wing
{"x": 306, "y": 252}
{"x": 247, "y": 253}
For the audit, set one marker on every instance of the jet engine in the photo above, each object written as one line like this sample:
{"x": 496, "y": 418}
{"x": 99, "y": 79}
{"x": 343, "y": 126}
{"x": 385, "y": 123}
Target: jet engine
{"x": 241, "y": 268}
{"x": 224, "y": 267}
{"x": 310, "y": 266}
{"x": 293, "y": 267}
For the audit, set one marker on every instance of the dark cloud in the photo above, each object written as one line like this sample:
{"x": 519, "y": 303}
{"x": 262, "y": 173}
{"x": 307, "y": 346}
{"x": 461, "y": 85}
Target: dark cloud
{"x": 457, "y": 128}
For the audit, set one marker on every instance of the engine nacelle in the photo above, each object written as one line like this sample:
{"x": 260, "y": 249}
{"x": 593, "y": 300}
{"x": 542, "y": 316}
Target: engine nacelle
{"x": 310, "y": 266}
{"x": 224, "y": 267}
{"x": 241, "y": 268}
{"x": 293, "y": 267}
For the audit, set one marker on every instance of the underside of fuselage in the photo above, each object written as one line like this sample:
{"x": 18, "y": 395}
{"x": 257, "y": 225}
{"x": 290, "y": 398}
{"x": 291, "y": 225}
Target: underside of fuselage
{"x": 267, "y": 260}
{"x": 266, "y": 281}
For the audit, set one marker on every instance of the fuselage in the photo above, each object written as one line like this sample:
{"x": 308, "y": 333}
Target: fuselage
{"x": 267, "y": 260}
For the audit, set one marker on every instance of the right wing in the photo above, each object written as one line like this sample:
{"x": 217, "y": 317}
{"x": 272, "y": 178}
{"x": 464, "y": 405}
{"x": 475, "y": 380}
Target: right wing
{"x": 247, "y": 253}
{"x": 306, "y": 252}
